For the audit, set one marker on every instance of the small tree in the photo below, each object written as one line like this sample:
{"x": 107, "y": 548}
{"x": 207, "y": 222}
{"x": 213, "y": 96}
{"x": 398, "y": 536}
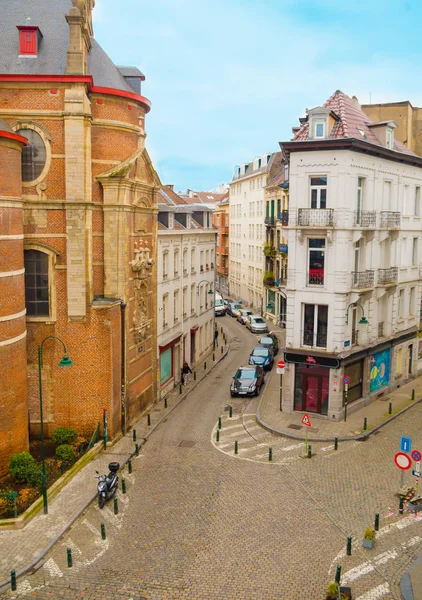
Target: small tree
{"x": 65, "y": 453}
{"x": 64, "y": 435}
{"x": 25, "y": 469}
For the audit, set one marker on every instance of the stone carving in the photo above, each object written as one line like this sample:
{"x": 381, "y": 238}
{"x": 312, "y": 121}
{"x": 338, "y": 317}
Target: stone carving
{"x": 141, "y": 266}
{"x": 41, "y": 187}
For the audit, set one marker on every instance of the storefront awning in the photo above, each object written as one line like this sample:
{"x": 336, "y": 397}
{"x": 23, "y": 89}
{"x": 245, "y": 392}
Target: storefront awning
{"x": 312, "y": 359}
{"x": 194, "y": 329}
{"x": 170, "y": 342}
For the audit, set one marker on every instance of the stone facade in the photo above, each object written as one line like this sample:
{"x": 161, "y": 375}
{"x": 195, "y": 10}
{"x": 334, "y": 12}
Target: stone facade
{"x": 87, "y": 213}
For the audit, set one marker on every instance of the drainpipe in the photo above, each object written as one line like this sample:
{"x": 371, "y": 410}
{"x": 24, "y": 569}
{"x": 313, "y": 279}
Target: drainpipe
{"x": 123, "y": 365}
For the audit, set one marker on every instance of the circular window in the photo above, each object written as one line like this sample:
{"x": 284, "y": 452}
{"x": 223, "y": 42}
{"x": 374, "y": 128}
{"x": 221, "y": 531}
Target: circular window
{"x": 34, "y": 155}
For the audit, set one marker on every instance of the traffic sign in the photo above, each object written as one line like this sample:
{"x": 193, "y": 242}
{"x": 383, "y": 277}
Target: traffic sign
{"x": 281, "y": 364}
{"x": 405, "y": 443}
{"x": 416, "y": 455}
{"x": 402, "y": 461}
{"x": 306, "y": 420}
{"x": 346, "y": 379}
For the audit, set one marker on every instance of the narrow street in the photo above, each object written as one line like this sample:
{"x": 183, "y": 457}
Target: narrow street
{"x": 199, "y": 522}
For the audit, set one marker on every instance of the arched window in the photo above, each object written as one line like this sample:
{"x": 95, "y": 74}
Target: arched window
{"x": 34, "y": 155}
{"x": 36, "y": 283}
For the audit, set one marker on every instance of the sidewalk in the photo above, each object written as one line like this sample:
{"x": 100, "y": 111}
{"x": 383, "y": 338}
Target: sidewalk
{"x": 23, "y": 550}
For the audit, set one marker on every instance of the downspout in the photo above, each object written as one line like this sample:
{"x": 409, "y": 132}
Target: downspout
{"x": 123, "y": 364}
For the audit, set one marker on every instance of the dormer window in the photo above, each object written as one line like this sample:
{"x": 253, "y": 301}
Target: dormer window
{"x": 29, "y": 39}
{"x": 171, "y": 221}
{"x": 319, "y": 129}
{"x": 389, "y": 138}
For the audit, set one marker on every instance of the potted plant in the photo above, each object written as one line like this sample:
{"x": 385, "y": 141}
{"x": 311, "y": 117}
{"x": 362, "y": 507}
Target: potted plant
{"x": 269, "y": 278}
{"x": 368, "y": 538}
{"x": 333, "y": 592}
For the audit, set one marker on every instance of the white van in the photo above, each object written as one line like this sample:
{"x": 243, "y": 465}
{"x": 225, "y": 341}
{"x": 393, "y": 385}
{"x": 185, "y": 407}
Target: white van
{"x": 219, "y": 308}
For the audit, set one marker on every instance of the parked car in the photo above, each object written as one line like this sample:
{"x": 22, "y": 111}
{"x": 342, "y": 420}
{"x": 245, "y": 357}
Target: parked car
{"x": 247, "y": 381}
{"x": 242, "y": 315}
{"x": 262, "y": 356}
{"x": 232, "y": 308}
{"x": 219, "y": 307}
{"x": 256, "y": 324}
{"x": 270, "y": 340}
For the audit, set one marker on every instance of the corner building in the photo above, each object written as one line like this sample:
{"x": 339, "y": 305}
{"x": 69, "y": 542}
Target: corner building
{"x": 354, "y": 246}
{"x": 78, "y": 219}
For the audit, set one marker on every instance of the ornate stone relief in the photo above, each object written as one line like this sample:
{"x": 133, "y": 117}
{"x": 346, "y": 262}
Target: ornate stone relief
{"x": 141, "y": 266}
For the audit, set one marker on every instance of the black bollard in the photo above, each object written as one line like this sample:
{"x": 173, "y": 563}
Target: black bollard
{"x": 123, "y": 485}
{"x": 13, "y": 580}
{"x": 180, "y": 389}
{"x": 401, "y": 505}
{"x": 219, "y": 422}
{"x": 377, "y": 522}
{"x": 222, "y": 350}
{"x": 236, "y": 446}
{"x": 270, "y": 454}
{"x": 165, "y": 402}
{"x": 390, "y": 408}
{"x": 205, "y": 366}
{"x": 149, "y": 419}
{"x": 349, "y": 546}
{"x": 230, "y": 411}
{"x": 338, "y": 573}
{"x": 217, "y": 436}
{"x": 103, "y": 531}
{"x": 309, "y": 451}
{"x": 129, "y": 465}
{"x": 413, "y": 394}
{"x": 335, "y": 443}
{"x": 134, "y": 435}
{"x": 213, "y": 357}
{"x": 365, "y": 424}
{"x": 116, "y": 507}
{"x": 194, "y": 375}
{"x": 69, "y": 558}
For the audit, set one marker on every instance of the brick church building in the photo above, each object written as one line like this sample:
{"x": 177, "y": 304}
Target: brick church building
{"x": 78, "y": 228}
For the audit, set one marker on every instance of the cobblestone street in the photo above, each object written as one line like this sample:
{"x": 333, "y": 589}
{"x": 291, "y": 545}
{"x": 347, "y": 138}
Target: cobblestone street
{"x": 201, "y": 522}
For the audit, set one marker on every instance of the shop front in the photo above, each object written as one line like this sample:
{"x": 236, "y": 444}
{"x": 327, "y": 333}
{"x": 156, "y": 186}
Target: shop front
{"x": 169, "y": 358}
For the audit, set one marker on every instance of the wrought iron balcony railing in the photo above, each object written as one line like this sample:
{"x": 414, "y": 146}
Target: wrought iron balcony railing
{"x": 316, "y": 277}
{"x": 284, "y": 217}
{"x": 386, "y": 276}
{"x": 363, "y": 279}
{"x": 315, "y": 217}
{"x": 315, "y": 339}
{"x": 269, "y": 221}
{"x": 390, "y": 220}
{"x": 365, "y": 218}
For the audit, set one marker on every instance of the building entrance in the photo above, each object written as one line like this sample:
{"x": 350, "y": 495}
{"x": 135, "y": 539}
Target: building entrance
{"x": 311, "y": 389}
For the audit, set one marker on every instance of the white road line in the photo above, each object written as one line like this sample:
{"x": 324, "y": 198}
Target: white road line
{"x": 92, "y": 528}
{"x": 239, "y": 433}
{"x": 238, "y": 426}
{"x": 375, "y": 593}
{"x": 71, "y": 544}
{"x": 53, "y": 568}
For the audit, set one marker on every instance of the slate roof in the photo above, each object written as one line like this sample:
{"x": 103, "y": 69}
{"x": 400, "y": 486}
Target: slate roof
{"x": 205, "y": 198}
{"x": 351, "y": 118}
{"x": 49, "y": 16}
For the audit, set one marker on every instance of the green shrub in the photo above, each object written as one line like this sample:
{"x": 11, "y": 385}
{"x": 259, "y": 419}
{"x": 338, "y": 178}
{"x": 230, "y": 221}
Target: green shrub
{"x": 369, "y": 534}
{"x": 25, "y": 469}
{"x": 65, "y": 453}
{"x": 64, "y": 435}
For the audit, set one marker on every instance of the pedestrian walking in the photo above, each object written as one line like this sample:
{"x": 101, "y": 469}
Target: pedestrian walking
{"x": 216, "y": 337}
{"x": 186, "y": 370}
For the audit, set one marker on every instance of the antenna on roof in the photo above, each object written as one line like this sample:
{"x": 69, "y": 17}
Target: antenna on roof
{"x": 370, "y": 97}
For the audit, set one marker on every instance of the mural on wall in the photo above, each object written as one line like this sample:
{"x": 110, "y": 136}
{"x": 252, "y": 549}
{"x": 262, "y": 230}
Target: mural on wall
{"x": 380, "y": 370}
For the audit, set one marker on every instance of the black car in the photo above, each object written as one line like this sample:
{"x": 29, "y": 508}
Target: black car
{"x": 247, "y": 381}
{"x": 271, "y": 341}
{"x": 262, "y": 356}
{"x": 233, "y": 308}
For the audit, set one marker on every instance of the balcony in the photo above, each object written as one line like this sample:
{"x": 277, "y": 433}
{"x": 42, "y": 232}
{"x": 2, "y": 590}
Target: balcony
{"x": 224, "y": 230}
{"x": 269, "y": 279}
{"x": 269, "y": 250}
{"x": 283, "y": 248}
{"x": 388, "y": 276}
{"x": 315, "y": 217}
{"x": 315, "y": 277}
{"x": 315, "y": 340}
{"x": 269, "y": 221}
{"x": 363, "y": 279}
{"x": 284, "y": 217}
{"x": 365, "y": 218}
{"x": 223, "y": 270}
{"x": 390, "y": 220}
{"x": 381, "y": 329}
{"x": 222, "y": 250}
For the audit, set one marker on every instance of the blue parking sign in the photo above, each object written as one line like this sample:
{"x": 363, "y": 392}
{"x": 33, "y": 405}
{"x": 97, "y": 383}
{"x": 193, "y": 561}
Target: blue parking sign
{"x": 405, "y": 443}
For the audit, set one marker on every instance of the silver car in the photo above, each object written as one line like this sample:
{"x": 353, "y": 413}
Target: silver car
{"x": 256, "y": 324}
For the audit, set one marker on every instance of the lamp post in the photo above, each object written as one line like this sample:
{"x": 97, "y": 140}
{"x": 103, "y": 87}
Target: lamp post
{"x": 65, "y": 362}
{"x": 363, "y": 320}
{"x": 210, "y": 291}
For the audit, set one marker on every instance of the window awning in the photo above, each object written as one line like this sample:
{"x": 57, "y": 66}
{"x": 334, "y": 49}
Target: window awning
{"x": 170, "y": 342}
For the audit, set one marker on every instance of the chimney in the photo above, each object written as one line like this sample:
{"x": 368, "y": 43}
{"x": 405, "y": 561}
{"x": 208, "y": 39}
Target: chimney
{"x": 170, "y": 186}
{"x": 75, "y": 56}
{"x": 356, "y": 102}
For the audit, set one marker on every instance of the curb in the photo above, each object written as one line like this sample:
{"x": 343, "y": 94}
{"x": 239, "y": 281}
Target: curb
{"x": 38, "y": 562}
{"x": 361, "y": 437}
{"x": 405, "y": 582}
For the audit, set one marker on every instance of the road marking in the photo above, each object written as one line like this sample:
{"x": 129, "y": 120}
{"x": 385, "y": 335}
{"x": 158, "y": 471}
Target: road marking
{"x": 239, "y": 433}
{"x": 69, "y": 543}
{"x": 91, "y": 527}
{"x": 375, "y": 593}
{"x": 230, "y": 427}
{"x": 53, "y": 568}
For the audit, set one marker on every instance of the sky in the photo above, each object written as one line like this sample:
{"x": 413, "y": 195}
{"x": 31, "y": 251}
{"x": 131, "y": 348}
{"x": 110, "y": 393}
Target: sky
{"x": 228, "y": 79}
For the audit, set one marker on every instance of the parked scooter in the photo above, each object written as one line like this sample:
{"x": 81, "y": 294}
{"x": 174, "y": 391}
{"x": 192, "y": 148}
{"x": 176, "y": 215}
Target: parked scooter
{"x": 107, "y": 485}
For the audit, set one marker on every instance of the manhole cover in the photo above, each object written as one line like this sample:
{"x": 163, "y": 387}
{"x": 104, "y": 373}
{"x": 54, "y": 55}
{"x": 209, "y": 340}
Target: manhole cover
{"x": 186, "y": 444}
{"x": 294, "y": 426}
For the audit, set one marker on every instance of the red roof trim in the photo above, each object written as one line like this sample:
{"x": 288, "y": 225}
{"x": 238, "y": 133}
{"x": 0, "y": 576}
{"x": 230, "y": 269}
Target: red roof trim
{"x": 87, "y": 79}
{"x": 14, "y": 136}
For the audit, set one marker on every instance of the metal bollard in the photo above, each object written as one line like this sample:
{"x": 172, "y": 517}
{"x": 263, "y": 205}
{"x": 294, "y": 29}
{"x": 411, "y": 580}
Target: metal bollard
{"x": 213, "y": 357}
{"x": 270, "y": 454}
{"x": 134, "y": 435}
{"x": 377, "y": 522}
{"x": 236, "y": 447}
{"x": 413, "y": 394}
{"x": 390, "y": 408}
{"x": 401, "y": 505}
{"x": 165, "y": 402}
{"x": 219, "y": 422}
{"x": 69, "y": 557}
{"x": 230, "y": 411}
{"x": 217, "y": 436}
{"x": 136, "y": 449}
{"x": 123, "y": 485}
{"x": 129, "y": 465}
{"x": 309, "y": 451}
{"x": 194, "y": 375}
{"x": 116, "y": 507}
{"x": 221, "y": 330}
{"x": 103, "y": 531}
{"x": 222, "y": 350}
{"x": 365, "y": 424}
{"x": 349, "y": 546}
{"x": 205, "y": 366}
{"x": 13, "y": 580}
{"x": 180, "y": 389}
{"x": 338, "y": 573}
{"x": 335, "y": 443}
{"x": 149, "y": 419}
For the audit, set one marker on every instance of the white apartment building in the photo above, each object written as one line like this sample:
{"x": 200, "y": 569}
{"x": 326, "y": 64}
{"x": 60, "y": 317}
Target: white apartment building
{"x": 354, "y": 258}
{"x": 186, "y": 275}
{"x": 247, "y": 228}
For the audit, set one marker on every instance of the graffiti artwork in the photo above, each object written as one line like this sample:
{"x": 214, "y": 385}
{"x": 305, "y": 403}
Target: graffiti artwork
{"x": 379, "y": 370}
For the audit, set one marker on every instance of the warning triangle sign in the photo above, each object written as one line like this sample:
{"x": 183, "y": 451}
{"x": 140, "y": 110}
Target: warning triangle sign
{"x": 306, "y": 420}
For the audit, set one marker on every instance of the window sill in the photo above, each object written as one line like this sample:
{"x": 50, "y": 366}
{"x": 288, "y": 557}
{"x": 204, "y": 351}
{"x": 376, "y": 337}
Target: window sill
{"x": 45, "y": 320}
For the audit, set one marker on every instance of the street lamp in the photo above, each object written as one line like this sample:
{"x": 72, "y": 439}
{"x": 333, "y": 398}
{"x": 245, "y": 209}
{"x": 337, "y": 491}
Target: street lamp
{"x": 65, "y": 362}
{"x": 210, "y": 291}
{"x": 364, "y": 320}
